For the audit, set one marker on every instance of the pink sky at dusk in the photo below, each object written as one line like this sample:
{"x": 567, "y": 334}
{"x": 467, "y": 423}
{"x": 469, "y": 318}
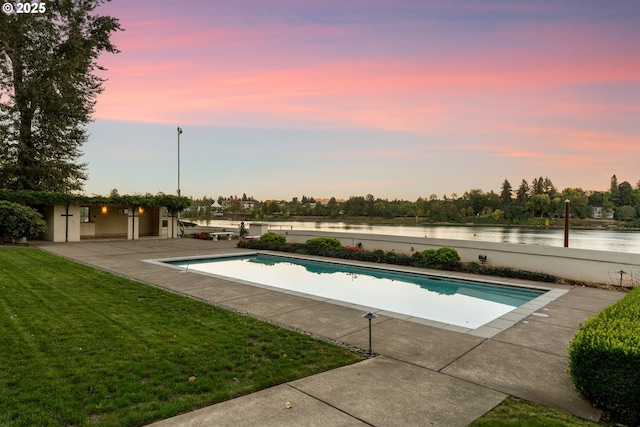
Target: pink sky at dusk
{"x": 403, "y": 99}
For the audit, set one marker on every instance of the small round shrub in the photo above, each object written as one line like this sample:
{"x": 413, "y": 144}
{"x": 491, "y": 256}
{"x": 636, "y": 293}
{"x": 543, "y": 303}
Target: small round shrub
{"x": 18, "y": 221}
{"x": 441, "y": 258}
{"x": 271, "y": 237}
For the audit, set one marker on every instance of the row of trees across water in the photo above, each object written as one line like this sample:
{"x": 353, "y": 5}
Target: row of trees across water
{"x": 538, "y": 199}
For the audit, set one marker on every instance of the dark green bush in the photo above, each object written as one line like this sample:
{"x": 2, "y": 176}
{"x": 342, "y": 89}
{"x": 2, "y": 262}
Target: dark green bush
{"x": 374, "y": 256}
{"x": 441, "y": 258}
{"x": 490, "y": 270}
{"x": 473, "y": 268}
{"x": 604, "y": 359}
{"x": 269, "y": 245}
{"x": 271, "y": 237}
{"x": 396, "y": 258}
{"x": 319, "y": 245}
{"x": 18, "y": 221}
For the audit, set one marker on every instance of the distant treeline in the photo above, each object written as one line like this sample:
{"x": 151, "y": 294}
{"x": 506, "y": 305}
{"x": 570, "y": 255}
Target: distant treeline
{"x": 538, "y": 199}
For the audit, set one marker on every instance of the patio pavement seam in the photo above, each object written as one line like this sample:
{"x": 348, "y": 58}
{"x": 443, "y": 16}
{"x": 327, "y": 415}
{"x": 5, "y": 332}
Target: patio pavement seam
{"x": 463, "y": 355}
{"x": 328, "y": 404}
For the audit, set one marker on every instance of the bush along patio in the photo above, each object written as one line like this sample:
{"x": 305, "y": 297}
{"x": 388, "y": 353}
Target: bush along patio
{"x": 444, "y": 258}
{"x": 604, "y": 360}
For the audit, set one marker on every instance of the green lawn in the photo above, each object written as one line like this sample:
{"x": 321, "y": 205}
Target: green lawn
{"x": 80, "y": 346}
{"x": 520, "y": 413}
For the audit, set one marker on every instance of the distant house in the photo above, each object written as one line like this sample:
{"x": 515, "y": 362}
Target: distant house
{"x": 325, "y": 201}
{"x": 247, "y": 205}
{"x": 600, "y": 212}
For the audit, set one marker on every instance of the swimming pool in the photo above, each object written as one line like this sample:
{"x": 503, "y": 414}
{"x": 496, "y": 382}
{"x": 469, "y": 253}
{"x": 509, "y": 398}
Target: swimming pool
{"x": 451, "y": 301}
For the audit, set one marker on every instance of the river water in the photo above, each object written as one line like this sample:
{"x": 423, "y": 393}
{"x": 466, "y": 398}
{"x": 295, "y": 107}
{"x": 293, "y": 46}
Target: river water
{"x": 601, "y": 240}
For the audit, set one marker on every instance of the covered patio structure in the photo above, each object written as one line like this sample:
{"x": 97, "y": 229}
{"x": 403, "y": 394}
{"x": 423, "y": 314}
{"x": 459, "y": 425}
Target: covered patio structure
{"x": 71, "y": 218}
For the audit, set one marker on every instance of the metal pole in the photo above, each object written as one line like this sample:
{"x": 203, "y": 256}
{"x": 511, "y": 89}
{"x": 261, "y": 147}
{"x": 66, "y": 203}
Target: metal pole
{"x": 179, "y": 132}
{"x": 370, "y": 351}
{"x": 178, "y": 213}
{"x": 369, "y": 316}
{"x": 566, "y": 223}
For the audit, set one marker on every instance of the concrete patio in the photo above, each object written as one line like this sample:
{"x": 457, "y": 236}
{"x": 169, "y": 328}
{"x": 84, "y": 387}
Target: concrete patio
{"x": 422, "y": 375}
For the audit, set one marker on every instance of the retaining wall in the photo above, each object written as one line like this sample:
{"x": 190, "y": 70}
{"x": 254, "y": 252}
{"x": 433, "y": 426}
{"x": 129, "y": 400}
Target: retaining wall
{"x": 577, "y": 264}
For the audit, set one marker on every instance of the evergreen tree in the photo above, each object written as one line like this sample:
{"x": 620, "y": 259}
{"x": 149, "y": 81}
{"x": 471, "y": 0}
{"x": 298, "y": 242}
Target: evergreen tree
{"x": 538, "y": 186}
{"x": 534, "y": 187}
{"x": 523, "y": 193}
{"x": 625, "y": 193}
{"x": 613, "y": 191}
{"x": 613, "y": 187}
{"x": 506, "y": 193}
{"x": 48, "y": 88}
{"x": 549, "y": 188}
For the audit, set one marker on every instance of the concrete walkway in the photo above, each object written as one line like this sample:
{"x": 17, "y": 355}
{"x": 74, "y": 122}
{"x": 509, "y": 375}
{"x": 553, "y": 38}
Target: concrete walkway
{"x": 422, "y": 375}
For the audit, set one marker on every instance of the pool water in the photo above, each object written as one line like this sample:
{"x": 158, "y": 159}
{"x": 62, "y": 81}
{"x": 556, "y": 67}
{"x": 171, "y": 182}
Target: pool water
{"x": 451, "y": 301}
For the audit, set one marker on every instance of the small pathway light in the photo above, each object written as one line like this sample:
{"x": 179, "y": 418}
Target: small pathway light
{"x": 369, "y": 316}
{"x": 621, "y": 273}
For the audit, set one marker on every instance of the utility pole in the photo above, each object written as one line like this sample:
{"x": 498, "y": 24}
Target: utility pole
{"x": 179, "y": 133}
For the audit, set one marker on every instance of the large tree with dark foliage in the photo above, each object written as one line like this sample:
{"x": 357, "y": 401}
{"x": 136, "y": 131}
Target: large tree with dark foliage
{"x": 48, "y": 88}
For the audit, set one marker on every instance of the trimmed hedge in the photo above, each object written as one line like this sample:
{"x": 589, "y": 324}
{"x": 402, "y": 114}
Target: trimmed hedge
{"x": 268, "y": 246}
{"x": 331, "y": 247}
{"x": 444, "y": 258}
{"x": 511, "y": 273}
{"x": 604, "y": 359}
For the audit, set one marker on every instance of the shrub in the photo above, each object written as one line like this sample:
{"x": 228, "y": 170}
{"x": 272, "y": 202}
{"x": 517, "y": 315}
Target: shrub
{"x": 269, "y": 245}
{"x": 251, "y": 244}
{"x": 320, "y": 245}
{"x": 473, "y": 268}
{"x": 244, "y": 243}
{"x": 490, "y": 270}
{"x": 604, "y": 359}
{"x": 18, "y": 221}
{"x": 440, "y": 259}
{"x": 392, "y": 257}
{"x": 271, "y": 237}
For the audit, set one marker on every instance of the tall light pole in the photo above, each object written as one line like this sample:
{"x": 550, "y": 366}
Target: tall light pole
{"x": 179, "y": 132}
{"x": 178, "y": 214}
{"x": 567, "y": 212}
